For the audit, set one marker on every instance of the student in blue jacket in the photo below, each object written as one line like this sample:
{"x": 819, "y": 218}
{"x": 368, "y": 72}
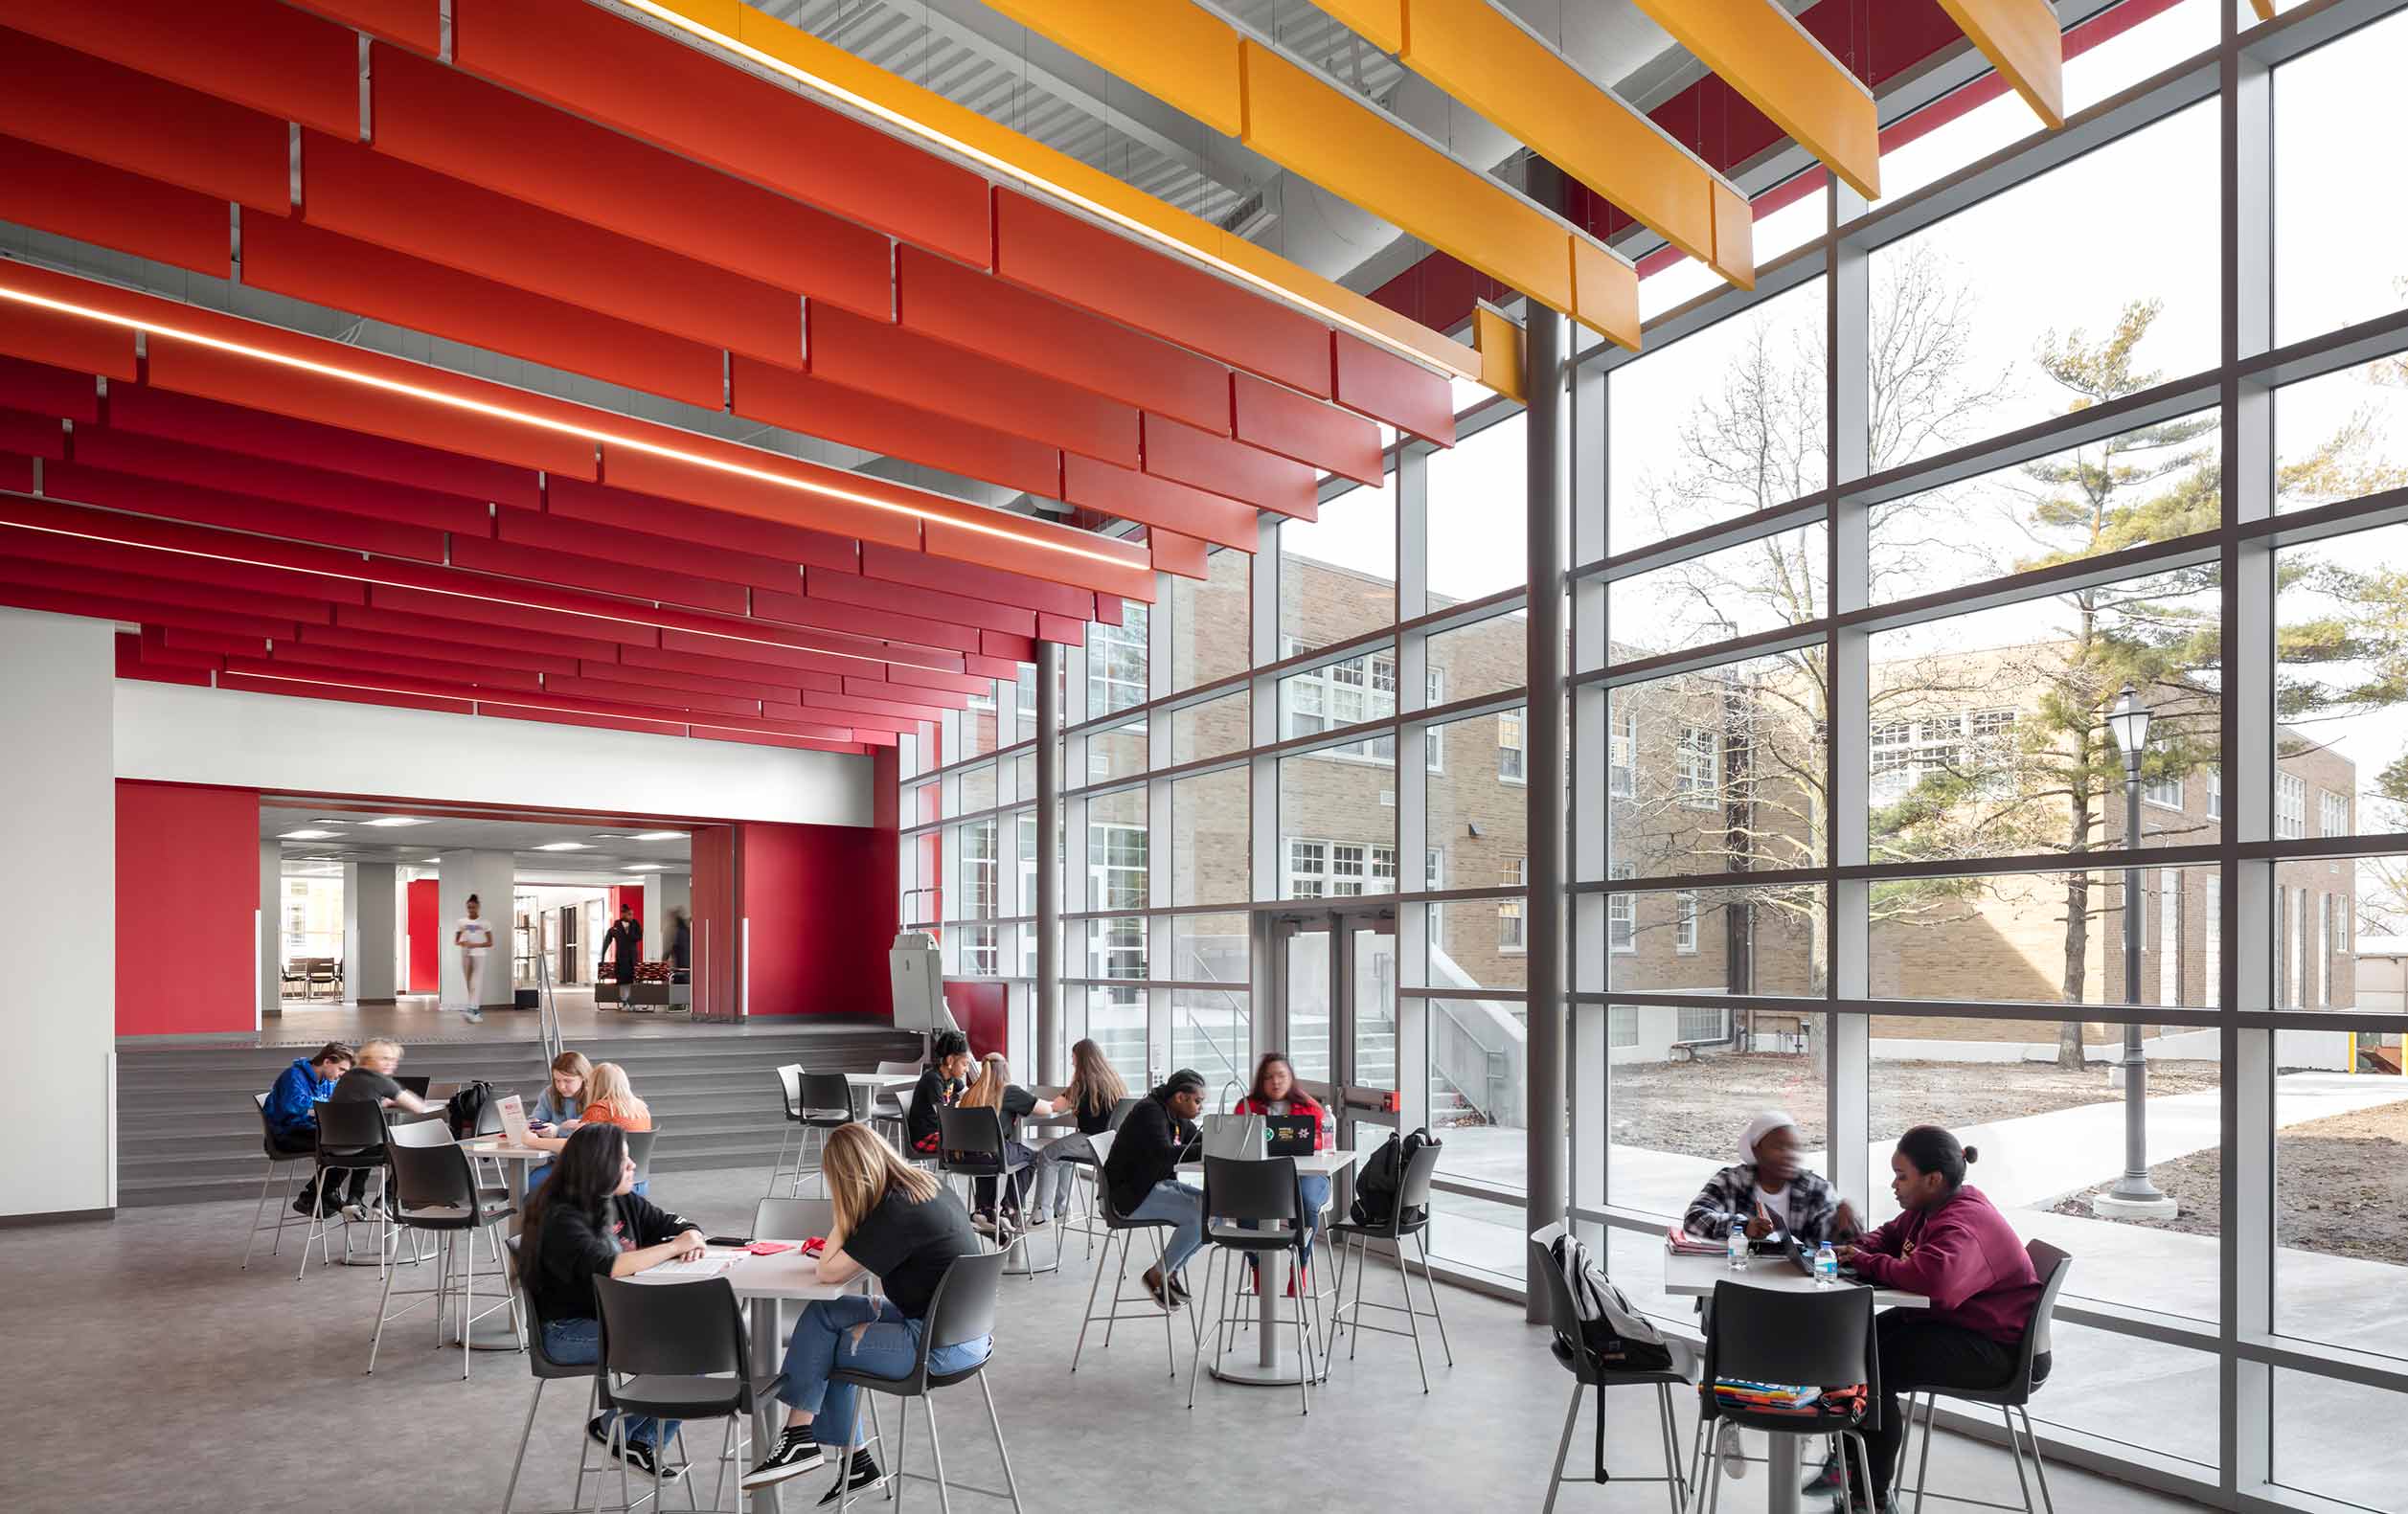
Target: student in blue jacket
{"x": 292, "y": 1114}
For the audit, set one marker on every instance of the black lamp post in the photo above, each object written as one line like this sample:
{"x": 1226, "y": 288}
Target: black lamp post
{"x": 2133, "y": 1194}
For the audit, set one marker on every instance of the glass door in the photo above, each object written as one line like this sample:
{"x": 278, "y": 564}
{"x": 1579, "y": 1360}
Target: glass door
{"x": 1335, "y": 982}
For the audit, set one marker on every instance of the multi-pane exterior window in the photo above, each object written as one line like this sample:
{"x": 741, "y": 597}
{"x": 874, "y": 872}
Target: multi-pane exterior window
{"x": 2164, "y": 791}
{"x": 1116, "y": 662}
{"x": 1685, "y": 921}
{"x": 1318, "y": 869}
{"x": 1621, "y": 763}
{"x": 1509, "y": 750}
{"x": 2333, "y": 814}
{"x": 2290, "y": 806}
{"x": 1509, "y": 917}
{"x": 1696, "y": 781}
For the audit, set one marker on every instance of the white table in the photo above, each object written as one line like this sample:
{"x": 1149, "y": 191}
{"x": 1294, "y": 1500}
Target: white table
{"x": 1275, "y": 1362}
{"x": 1696, "y": 1277}
{"x": 763, "y": 1283}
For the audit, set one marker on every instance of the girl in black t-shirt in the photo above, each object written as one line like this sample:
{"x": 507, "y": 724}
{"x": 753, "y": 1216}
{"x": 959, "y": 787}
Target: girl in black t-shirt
{"x": 1094, "y": 1090}
{"x": 993, "y": 1089}
{"x": 941, "y": 1083}
{"x": 892, "y": 1221}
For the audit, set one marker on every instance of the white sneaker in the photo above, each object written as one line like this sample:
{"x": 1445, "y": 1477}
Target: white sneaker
{"x": 355, "y": 1213}
{"x": 473, "y": 1015}
{"x": 1727, "y": 1446}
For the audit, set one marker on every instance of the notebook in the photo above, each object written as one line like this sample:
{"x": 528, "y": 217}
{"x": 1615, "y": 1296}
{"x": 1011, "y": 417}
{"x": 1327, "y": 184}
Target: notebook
{"x": 513, "y": 1118}
{"x": 1240, "y": 1137}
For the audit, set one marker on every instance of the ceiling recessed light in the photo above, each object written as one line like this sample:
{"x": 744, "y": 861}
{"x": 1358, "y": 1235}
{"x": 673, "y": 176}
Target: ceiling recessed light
{"x": 644, "y": 866}
{"x": 564, "y": 845}
{"x": 398, "y": 819}
{"x": 304, "y": 835}
{"x": 658, "y": 835}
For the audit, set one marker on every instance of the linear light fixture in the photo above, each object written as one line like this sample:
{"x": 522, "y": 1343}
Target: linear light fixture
{"x": 593, "y": 433}
{"x": 1051, "y": 188}
{"x": 658, "y": 835}
{"x": 566, "y": 845}
{"x": 397, "y": 820}
{"x": 306, "y": 835}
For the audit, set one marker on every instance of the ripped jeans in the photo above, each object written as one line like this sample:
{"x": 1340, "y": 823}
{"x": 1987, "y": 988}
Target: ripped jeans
{"x": 855, "y": 1334}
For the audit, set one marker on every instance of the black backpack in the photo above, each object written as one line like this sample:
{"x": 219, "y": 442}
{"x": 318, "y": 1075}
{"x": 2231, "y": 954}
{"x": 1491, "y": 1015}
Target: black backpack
{"x": 1615, "y": 1336}
{"x": 471, "y": 1109}
{"x": 1383, "y": 1174}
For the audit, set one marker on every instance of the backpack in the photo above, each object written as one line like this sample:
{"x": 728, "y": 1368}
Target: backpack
{"x": 1617, "y": 1337}
{"x": 1383, "y": 1174}
{"x": 471, "y": 1109}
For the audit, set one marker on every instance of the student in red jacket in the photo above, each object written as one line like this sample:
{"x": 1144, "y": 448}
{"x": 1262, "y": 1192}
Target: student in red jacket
{"x": 1276, "y": 1092}
{"x": 1951, "y": 1245}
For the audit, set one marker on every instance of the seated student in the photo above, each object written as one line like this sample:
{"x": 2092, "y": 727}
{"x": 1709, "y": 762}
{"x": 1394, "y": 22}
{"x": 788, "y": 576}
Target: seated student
{"x": 1142, "y": 1176}
{"x": 557, "y": 1109}
{"x": 993, "y": 1089}
{"x": 292, "y": 1112}
{"x": 1767, "y": 1190}
{"x": 608, "y": 1102}
{"x": 1275, "y": 1093}
{"x": 1094, "y": 1090}
{"x": 1950, "y": 1244}
{"x": 587, "y": 1222}
{"x": 371, "y": 1078}
{"x": 893, "y": 1221}
{"x": 941, "y": 1083}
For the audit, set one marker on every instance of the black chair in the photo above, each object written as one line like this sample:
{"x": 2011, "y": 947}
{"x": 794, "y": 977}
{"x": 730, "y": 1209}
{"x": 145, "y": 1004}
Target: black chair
{"x": 350, "y": 1139}
{"x": 2012, "y": 1397}
{"x": 1253, "y": 1207}
{"x": 1409, "y": 1216}
{"x": 1819, "y": 1339}
{"x": 1563, "y": 1317}
{"x": 434, "y": 1191}
{"x": 885, "y": 1108}
{"x": 279, "y": 1160}
{"x": 546, "y": 1372}
{"x": 961, "y": 1311}
{"x": 1119, "y": 1228}
{"x": 970, "y": 1145}
{"x": 815, "y": 1104}
{"x": 640, "y": 1149}
{"x": 674, "y": 1351}
{"x": 1120, "y": 1110}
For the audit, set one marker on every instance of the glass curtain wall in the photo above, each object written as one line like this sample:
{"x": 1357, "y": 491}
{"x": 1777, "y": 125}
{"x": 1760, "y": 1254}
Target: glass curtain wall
{"x": 1865, "y": 560}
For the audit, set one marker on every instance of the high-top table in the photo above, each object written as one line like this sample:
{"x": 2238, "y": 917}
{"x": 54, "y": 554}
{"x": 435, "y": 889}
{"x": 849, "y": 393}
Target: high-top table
{"x": 1696, "y": 1277}
{"x": 1275, "y": 1364}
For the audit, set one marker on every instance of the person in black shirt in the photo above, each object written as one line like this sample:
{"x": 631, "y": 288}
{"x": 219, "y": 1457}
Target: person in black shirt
{"x": 585, "y": 1222}
{"x": 623, "y": 946}
{"x": 371, "y": 1077}
{"x": 941, "y": 1083}
{"x": 1011, "y": 1104}
{"x": 1095, "y": 1088}
{"x": 894, "y": 1222}
{"x": 1142, "y": 1176}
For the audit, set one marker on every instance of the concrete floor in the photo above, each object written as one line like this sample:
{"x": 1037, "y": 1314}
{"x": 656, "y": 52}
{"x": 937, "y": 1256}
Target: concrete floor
{"x": 154, "y": 1374}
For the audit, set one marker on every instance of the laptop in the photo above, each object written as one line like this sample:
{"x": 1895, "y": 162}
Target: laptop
{"x": 1290, "y": 1134}
{"x": 413, "y": 1083}
{"x": 1236, "y": 1137}
{"x": 514, "y": 1111}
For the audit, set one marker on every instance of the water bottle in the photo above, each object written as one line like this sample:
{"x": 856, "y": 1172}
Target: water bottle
{"x": 1735, "y": 1245}
{"x": 1825, "y": 1266}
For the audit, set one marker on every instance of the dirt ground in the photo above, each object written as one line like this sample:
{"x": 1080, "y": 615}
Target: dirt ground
{"x": 1698, "y": 1108}
{"x": 2337, "y": 1186}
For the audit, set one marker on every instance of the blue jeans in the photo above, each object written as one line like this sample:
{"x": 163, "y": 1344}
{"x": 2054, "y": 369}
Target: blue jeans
{"x": 855, "y": 1334}
{"x": 1314, "y": 1189}
{"x": 578, "y": 1341}
{"x": 1184, "y": 1207}
{"x": 1049, "y": 1175}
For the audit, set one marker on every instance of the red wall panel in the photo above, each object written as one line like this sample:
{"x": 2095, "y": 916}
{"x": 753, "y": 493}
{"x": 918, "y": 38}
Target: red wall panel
{"x": 668, "y": 681}
{"x": 1305, "y": 430}
{"x": 715, "y": 850}
{"x": 821, "y": 407}
{"x": 819, "y": 907}
{"x": 416, "y": 22}
{"x": 653, "y": 87}
{"x": 377, "y": 619}
{"x": 983, "y": 1009}
{"x": 122, "y": 451}
{"x": 64, "y": 393}
{"x": 525, "y": 617}
{"x": 448, "y": 121}
{"x": 707, "y": 527}
{"x": 359, "y": 693}
{"x": 676, "y": 662}
{"x": 970, "y": 309}
{"x": 559, "y": 532}
{"x": 631, "y": 576}
{"x": 796, "y": 610}
{"x": 794, "y": 508}
{"x": 439, "y": 671}
{"x": 915, "y": 370}
{"x": 876, "y": 593}
{"x": 1125, "y": 573}
{"x": 188, "y": 899}
{"x": 255, "y": 53}
{"x": 53, "y": 339}
{"x": 93, "y": 202}
{"x": 159, "y": 666}
{"x": 1056, "y": 254}
{"x": 425, "y": 924}
{"x": 1380, "y": 384}
{"x": 317, "y": 265}
{"x": 351, "y": 189}
{"x": 268, "y": 585}
{"x": 70, "y": 578}
{"x": 235, "y": 428}
{"x": 1173, "y": 553}
{"x": 991, "y": 585}
{"x": 1184, "y": 455}
{"x": 99, "y": 607}
{"x": 125, "y": 491}
{"x": 1152, "y": 501}
{"x": 465, "y": 659}
{"x": 79, "y": 103}
{"x": 653, "y": 694}
{"x": 24, "y": 437}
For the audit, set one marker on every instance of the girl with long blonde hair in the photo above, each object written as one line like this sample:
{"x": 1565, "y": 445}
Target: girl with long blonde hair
{"x": 893, "y": 1221}
{"x": 993, "y": 1089}
{"x": 1095, "y": 1091}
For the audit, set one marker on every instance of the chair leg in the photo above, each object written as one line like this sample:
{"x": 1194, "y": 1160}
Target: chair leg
{"x": 1093, "y": 1282}
{"x": 778, "y": 1167}
{"x": 1362, "y": 1263}
{"x": 1563, "y": 1448}
{"x": 525, "y": 1432}
{"x": 1196, "y": 1367}
{"x": 317, "y": 1221}
{"x": 1430, "y": 1284}
{"x": 2014, "y": 1449}
{"x": 936, "y": 1452}
{"x": 1304, "y": 1343}
{"x": 1011, "y": 1484}
{"x": 467, "y": 1317}
{"x": 1413, "y": 1314}
{"x": 2039, "y": 1463}
{"x": 1675, "y": 1488}
{"x": 384, "y": 1303}
{"x": 253, "y": 1238}
{"x": 1922, "y": 1467}
{"x": 1162, "y": 1268}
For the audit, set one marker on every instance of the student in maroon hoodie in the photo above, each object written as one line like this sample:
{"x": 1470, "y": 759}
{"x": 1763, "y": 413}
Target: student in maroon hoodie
{"x": 1950, "y": 1244}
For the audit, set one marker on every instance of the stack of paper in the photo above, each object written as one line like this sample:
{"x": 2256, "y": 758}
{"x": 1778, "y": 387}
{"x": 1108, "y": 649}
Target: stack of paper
{"x": 1684, "y": 1243}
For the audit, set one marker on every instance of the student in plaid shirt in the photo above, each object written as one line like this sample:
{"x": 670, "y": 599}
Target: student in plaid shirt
{"x": 1766, "y": 1191}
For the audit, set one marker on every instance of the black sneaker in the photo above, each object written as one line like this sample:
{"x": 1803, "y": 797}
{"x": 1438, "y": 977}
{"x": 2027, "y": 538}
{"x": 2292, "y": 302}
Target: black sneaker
{"x": 598, "y": 1428}
{"x": 797, "y": 1452}
{"x": 865, "y": 1474}
{"x": 646, "y": 1458}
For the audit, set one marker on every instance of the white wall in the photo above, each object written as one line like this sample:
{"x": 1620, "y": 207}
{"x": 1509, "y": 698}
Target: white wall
{"x": 486, "y": 875}
{"x": 175, "y": 732}
{"x": 58, "y": 1017}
